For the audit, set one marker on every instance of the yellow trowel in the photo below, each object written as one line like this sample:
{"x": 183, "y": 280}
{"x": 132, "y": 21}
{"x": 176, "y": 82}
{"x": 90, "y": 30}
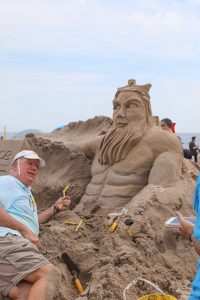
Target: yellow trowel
{"x": 74, "y": 271}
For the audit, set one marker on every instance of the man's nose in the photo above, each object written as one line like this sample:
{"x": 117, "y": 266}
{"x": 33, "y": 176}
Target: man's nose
{"x": 34, "y": 167}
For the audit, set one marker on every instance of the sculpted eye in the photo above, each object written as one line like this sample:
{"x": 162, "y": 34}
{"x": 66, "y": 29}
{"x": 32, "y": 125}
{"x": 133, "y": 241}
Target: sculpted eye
{"x": 116, "y": 106}
{"x": 132, "y": 105}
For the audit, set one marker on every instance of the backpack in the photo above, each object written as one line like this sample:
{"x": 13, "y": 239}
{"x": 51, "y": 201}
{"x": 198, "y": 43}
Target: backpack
{"x": 187, "y": 154}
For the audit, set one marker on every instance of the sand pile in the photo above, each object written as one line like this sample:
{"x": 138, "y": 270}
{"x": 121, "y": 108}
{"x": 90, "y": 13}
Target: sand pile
{"x": 109, "y": 261}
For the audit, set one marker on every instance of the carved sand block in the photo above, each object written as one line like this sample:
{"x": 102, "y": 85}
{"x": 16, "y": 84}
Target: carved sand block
{"x": 133, "y": 153}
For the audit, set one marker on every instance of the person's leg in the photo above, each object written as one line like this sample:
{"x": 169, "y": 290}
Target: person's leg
{"x": 44, "y": 281}
{"x": 40, "y": 284}
{"x": 21, "y": 291}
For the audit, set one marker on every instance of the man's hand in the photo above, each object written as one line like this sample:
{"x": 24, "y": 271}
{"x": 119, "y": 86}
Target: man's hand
{"x": 186, "y": 226}
{"x": 29, "y": 235}
{"x": 62, "y": 203}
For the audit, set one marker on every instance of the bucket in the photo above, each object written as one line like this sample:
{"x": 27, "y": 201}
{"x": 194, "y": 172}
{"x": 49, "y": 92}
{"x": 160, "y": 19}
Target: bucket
{"x": 161, "y": 296}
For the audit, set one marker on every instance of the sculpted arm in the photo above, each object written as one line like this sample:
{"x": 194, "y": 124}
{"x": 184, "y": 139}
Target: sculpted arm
{"x": 166, "y": 169}
{"x": 88, "y": 147}
{"x": 168, "y": 162}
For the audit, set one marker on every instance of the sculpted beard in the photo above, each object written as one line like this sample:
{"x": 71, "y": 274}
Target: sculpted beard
{"x": 118, "y": 142}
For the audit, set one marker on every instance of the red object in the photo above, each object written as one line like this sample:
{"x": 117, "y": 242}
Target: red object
{"x": 173, "y": 127}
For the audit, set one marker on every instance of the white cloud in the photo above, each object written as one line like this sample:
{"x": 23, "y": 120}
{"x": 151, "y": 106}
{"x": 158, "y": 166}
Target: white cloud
{"x": 97, "y": 27}
{"x": 66, "y": 54}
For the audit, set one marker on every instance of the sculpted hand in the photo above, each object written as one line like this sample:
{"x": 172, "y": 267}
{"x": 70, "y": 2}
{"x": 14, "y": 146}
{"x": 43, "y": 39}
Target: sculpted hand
{"x": 29, "y": 235}
{"x": 62, "y": 203}
{"x": 186, "y": 226}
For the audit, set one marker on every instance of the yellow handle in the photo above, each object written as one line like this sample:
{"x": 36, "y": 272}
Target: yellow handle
{"x": 79, "y": 285}
{"x": 79, "y": 224}
{"x": 130, "y": 232}
{"x": 113, "y": 227}
{"x": 70, "y": 222}
{"x": 65, "y": 190}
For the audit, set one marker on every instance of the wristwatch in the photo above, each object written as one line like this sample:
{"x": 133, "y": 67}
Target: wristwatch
{"x": 190, "y": 237}
{"x": 55, "y": 210}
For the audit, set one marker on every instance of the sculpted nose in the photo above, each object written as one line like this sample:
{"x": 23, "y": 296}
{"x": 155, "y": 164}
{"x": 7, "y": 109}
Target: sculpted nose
{"x": 121, "y": 112}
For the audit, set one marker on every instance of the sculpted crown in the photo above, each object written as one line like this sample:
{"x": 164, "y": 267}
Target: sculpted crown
{"x": 132, "y": 86}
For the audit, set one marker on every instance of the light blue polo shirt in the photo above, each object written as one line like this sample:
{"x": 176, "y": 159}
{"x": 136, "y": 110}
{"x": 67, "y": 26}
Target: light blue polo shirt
{"x": 17, "y": 200}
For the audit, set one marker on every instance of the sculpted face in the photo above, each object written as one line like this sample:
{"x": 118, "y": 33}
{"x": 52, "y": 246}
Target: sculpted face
{"x": 128, "y": 109}
{"x": 132, "y": 117}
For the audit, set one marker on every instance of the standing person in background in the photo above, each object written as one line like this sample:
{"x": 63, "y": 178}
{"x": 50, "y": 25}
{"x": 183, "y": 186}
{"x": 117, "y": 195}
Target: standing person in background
{"x": 25, "y": 274}
{"x": 193, "y": 148}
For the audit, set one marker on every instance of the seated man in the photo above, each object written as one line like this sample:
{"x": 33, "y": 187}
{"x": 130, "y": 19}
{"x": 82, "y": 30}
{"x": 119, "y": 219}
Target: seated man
{"x": 25, "y": 273}
{"x": 133, "y": 153}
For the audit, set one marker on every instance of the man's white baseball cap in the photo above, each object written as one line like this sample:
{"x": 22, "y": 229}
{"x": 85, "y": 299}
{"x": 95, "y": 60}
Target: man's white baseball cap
{"x": 30, "y": 155}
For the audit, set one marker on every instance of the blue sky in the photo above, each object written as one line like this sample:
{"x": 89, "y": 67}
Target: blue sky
{"x": 62, "y": 61}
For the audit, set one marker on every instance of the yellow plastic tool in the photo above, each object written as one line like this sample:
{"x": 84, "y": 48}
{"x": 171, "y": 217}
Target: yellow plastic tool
{"x": 114, "y": 225}
{"x": 79, "y": 224}
{"x": 73, "y": 268}
{"x": 116, "y": 218}
{"x": 65, "y": 190}
{"x": 129, "y": 231}
{"x": 71, "y": 223}
{"x": 78, "y": 284}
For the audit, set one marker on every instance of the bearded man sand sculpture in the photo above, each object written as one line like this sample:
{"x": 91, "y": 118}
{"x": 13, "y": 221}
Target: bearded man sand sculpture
{"x": 132, "y": 154}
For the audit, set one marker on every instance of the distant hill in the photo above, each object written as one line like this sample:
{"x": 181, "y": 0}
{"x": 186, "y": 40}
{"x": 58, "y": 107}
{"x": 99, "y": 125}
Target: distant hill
{"x": 22, "y": 133}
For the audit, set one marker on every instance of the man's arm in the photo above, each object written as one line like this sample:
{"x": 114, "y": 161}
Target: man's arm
{"x": 8, "y": 221}
{"x": 46, "y": 215}
{"x": 187, "y": 229}
{"x": 60, "y": 205}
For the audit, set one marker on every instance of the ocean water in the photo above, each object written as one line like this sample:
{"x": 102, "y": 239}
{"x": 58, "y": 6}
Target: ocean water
{"x": 186, "y": 138}
{"x": 9, "y": 135}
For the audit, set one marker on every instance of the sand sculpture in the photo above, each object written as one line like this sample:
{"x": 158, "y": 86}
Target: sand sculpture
{"x": 133, "y": 153}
